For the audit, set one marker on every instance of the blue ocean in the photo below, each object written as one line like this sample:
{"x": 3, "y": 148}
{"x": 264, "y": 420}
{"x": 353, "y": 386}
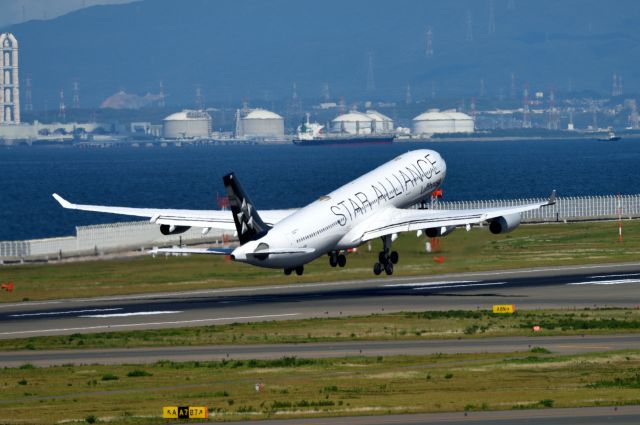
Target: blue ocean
{"x": 286, "y": 176}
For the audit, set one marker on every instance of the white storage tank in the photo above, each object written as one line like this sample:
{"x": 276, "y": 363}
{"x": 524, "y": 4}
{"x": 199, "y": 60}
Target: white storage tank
{"x": 187, "y": 124}
{"x": 381, "y": 122}
{"x": 262, "y": 123}
{"x": 434, "y": 121}
{"x": 352, "y": 123}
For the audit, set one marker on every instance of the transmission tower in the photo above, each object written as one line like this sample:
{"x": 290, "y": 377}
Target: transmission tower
{"x": 326, "y": 94}
{"x": 61, "y": 111}
{"x": 238, "y": 131}
{"x": 199, "y": 99}
{"x": 553, "y": 114}
{"x": 481, "y": 88}
{"x": 161, "y": 100}
{"x": 469, "y": 21}
{"x": 371, "y": 83}
{"x": 492, "y": 19}
{"x": 76, "y": 96}
{"x": 634, "y": 118}
{"x": 429, "y": 49}
{"x": 526, "y": 113}
{"x": 512, "y": 90}
{"x": 472, "y": 105}
{"x": 28, "y": 103}
{"x": 407, "y": 97}
{"x": 619, "y": 85}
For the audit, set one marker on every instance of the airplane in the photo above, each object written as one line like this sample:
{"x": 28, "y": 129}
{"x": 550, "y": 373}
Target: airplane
{"x": 375, "y": 205}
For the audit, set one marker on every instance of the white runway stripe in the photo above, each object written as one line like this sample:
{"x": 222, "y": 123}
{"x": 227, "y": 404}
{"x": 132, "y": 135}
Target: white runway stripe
{"x": 132, "y": 325}
{"x": 614, "y": 275}
{"x": 423, "y": 288}
{"x": 442, "y": 282}
{"x": 57, "y": 313}
{"x": 606, "y": 282}
{"x": 136, "y": 313}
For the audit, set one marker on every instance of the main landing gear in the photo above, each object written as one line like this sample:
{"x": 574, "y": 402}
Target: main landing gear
{"x": 386, "y": 259}
{"x": 299, "y": 270}
{"x": 337, "y": 259}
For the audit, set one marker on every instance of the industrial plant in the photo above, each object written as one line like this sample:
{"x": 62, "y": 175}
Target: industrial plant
{"x": 146, "y": 120}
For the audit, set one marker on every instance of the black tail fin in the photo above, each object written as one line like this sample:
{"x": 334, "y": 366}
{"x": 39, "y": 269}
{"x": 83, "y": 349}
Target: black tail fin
{"x": 248, "y": 223}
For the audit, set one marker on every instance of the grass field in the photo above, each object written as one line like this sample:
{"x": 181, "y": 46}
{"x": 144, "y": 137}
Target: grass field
{"x": 418, "y": 325}
{"x": 307, "y": 387}
{"x": 528, "y": 246}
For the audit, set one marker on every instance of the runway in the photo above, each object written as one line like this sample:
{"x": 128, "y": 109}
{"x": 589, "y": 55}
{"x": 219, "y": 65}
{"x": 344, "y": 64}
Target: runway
{"x": 623, "y": 415}
{"x": 557, "y": 345}
{"x": 616, "y": 285}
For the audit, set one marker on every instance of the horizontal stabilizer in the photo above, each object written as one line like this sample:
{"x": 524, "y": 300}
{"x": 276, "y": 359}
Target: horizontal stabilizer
{"x": 213, "y": 251}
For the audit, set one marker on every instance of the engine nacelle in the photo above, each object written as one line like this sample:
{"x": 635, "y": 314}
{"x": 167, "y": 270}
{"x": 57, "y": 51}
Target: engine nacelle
{"x": 504, "y": 224}
{"x": 438, "y": 232}
{"x": 167, "y": 229}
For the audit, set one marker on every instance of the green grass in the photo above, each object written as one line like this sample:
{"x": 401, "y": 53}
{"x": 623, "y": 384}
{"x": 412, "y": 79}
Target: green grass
{"x": 294, "y": 388}
{"x": 396, "y": 326}
{"x": 528, "y": 246}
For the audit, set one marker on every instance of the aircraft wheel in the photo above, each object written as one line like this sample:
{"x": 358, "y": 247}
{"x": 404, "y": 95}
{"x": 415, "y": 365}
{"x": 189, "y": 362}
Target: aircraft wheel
{"x": 333, "y": 260}
{"x": 299, "y": 270}
{"x": 394, "y": 257}
{"x": 287, "y": 271}
{"x": 382, "y": 258}
{"x": 388, "y": 269}
{"x": 377, "y": 269}
{"x": 342, "y": 260}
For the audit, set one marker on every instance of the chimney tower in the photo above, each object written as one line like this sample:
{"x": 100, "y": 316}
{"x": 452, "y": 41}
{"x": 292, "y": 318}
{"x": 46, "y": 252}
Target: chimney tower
{"x": 9, "y": 81}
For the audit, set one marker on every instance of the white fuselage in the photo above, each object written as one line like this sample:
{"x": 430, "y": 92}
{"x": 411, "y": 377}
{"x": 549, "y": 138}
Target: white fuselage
{"x": 334, "y": 222}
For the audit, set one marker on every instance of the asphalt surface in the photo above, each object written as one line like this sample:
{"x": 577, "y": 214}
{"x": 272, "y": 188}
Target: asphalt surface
{"x": 558, "y": 287}
{"x": 557, "y": 345}
{"x": 623, "y": 415}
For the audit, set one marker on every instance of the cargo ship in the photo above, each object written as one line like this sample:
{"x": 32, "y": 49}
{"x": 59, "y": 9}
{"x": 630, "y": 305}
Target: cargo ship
{"x": 312, "y": 134}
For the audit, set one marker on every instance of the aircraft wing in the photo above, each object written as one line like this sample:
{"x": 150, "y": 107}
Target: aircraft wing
{"x": 214, "y": 219}
{"x": 397, "y": 220}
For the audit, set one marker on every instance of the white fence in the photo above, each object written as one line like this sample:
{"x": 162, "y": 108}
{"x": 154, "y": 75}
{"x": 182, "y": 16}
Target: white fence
{"x": 102, "y": 238}
{"x": 569, "y": 209}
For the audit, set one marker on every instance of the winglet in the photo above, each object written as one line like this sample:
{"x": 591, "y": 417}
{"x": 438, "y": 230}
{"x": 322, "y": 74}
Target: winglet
{"x": 552, "y": 198}
{"x": 62, "y": 201}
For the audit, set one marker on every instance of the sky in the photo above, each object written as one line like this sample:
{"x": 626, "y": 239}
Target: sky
{"x": 16, "y": 11}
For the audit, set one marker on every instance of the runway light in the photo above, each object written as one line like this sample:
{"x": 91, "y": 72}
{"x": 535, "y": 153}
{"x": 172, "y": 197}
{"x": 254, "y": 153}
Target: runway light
{"x": 536, "y": 328}
{"x": 439, "y": 259}
{"x": 7, "y": 286}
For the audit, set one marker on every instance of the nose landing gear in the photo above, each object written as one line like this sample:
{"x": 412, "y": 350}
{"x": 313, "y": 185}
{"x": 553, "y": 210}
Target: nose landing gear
{"x": 386, "y": 259}
{"x": 299, "y": 270}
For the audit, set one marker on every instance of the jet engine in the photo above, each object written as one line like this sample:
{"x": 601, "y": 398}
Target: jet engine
{"x": 437, "y": 232}
{"x": 504, "y": 224}
{"x": 167, "y": 229}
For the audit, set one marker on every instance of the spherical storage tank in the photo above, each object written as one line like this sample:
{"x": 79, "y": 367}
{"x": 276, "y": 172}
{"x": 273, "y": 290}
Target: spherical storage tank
{"x": 187, "y": 124}
{"x": 262, "y": 123}
{"x": 352, "y": 123}
{"x": 434, "y": 121}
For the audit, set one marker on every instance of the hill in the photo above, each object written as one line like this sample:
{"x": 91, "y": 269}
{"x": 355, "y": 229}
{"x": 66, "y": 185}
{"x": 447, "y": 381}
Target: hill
{"x": 256, "y": 49}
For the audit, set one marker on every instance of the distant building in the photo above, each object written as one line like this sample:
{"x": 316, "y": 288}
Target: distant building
{"x": 381, "y": 122}
{"x": 187, "y": 124}
{"x": 261, "y": 123}
{"x": 355, "y": 122}
{"x": 434, "y": 121}
{"x": 9, "y": 81}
